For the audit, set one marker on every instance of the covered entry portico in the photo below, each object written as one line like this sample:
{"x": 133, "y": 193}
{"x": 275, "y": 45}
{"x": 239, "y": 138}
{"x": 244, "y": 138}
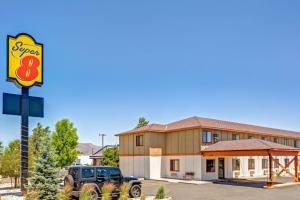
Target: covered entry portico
{"x": 256, "y": 147}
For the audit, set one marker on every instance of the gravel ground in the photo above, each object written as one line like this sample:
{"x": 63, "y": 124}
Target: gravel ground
{"x": 8, "y": 193}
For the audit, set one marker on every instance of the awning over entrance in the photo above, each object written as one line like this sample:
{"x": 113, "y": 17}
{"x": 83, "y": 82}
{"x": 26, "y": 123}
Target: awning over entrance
{"x": 256, "y": 147}
{"x": 249, "y": 147}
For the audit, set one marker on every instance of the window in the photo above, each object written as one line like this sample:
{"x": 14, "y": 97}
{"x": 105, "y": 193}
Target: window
{"x": 215, "y": 138}
{"x": 74, "y": 172}
{"x": 206, "y": 137}
{"x": 235, "y": 137}
{"x": 265, "y": 163}
{"x": 286, "y": 162}
{"x": 286, "y": 142}
{"x": 250, "y": 137}
{"x": 295, "y": 143}
{"x": 235, "y": 164}
{"x": 276, "y": 165}
{"x": 139, "y": 140}
{"x": 174, "y": 165}
{"x": 275, "y": 140}
{"x": 210, "y": 165}
{"x": 251, "y": 164}
{"x": 263, "y": 138}
{"x": 101, "y": 172}
{"x": 88, "y": 172}
{"x": 115, "y": 174}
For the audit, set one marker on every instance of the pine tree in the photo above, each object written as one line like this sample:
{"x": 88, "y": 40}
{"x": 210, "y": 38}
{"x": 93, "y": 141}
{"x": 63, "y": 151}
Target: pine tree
{"x": 142, "y": 122}
{"x": 45, "y": 175}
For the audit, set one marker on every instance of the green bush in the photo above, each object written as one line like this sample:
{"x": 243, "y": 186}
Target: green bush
{"x": 160, "y": 193}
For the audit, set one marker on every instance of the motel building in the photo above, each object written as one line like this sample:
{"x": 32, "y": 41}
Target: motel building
{"x": 207, "y": 149}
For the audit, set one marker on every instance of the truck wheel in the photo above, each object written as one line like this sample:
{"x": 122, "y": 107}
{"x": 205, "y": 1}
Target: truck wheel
{"x": 135, "y": 191}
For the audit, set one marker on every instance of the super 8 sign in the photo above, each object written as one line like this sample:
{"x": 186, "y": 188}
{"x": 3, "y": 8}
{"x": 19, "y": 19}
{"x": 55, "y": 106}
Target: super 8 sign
{"x": 25, "y": 61}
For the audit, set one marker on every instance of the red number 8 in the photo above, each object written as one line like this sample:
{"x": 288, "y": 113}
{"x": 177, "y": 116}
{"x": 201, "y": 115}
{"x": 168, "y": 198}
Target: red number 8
{"x": 28, "y": 69}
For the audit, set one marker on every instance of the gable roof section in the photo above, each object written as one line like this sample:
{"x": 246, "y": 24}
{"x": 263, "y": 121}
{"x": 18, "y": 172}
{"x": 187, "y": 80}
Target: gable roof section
{"x": 206, "y": 123}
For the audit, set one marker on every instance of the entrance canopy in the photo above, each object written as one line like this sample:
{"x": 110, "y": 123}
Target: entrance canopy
{"x": 257, "y": 147}
{"x": 249, "y": 147}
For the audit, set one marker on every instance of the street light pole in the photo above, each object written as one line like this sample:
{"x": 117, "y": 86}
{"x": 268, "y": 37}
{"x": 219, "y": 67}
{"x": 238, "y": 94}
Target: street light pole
{"x": 102, "y": 135}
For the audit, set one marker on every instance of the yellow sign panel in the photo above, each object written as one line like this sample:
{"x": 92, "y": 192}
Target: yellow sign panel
{"x": 25, "y": 61}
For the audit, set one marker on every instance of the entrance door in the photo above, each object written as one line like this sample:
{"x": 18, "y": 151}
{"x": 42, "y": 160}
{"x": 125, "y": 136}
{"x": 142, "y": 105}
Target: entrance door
{"x": 221, "y": 168}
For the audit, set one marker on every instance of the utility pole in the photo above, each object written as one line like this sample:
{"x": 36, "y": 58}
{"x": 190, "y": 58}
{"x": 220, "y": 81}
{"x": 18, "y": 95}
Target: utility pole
{"x": 102, "y": 136}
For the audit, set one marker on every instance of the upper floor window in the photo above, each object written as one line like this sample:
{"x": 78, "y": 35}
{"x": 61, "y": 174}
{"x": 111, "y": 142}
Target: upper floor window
{"x": 235, "y": 136}
{"x": 235, "y": 164}
{"x": 275, "y": 140}
{"x": 263, "y": 138}
{"x": 250, "y": 136}
{"x": 286, "y": 142}
{"x": 215, "y": 138}
{"x": 251, "y": 164}
{"x": 295, "y": 143}
{"x": 174, "y": 165}
{"x": 139, "y": 140}
{"x": 206, "y": 137}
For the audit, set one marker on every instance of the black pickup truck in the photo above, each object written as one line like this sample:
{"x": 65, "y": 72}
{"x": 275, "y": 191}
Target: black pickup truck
{"x": 97, "y": 176}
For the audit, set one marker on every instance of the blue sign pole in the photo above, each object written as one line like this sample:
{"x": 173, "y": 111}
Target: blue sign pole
{"x": 24, "y": 137}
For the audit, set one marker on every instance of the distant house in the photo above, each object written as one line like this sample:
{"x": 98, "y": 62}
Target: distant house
{"x": 85, "y": 150}
{"x": 98, "y": 155}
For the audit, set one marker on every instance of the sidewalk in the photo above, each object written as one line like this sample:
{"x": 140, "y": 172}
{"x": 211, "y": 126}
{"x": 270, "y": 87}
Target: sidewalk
{"x": 182, "y": 181}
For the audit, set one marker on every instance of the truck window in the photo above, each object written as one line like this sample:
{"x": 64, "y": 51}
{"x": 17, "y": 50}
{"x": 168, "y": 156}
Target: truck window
{"x": 101, "y": 172}
{"x": 115, "y": 173}
{"x": 88, "y": 173}
{"x": 74, "y": 172}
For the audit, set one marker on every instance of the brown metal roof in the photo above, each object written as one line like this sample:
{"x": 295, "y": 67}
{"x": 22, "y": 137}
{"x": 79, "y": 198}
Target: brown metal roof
{"x": 200, "y": 122}
{"x": 244, "y": 145}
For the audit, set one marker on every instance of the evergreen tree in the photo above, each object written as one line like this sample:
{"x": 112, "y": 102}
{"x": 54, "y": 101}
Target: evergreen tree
{"x": 142, "y": 122}
{"x": 38, "y": 133}
{"x": 45, "y": 175}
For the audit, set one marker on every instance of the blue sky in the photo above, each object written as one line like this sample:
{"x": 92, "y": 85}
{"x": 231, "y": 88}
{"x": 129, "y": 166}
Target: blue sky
{"x": 109, "y": 62}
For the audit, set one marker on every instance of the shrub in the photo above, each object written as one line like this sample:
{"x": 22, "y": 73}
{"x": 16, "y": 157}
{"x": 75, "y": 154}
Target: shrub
{"x": 160, "y": 193}
{"x": 124, "y": 195}
{"x": 106, "y": 191}
{"x": 143, "y": 197}
{"x": 32, "y": 195}
{"x": 65, "y": 193}
{"x": 85, "y": 192}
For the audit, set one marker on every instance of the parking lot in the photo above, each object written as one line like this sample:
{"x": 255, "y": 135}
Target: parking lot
{"x": 221, "y": 191}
